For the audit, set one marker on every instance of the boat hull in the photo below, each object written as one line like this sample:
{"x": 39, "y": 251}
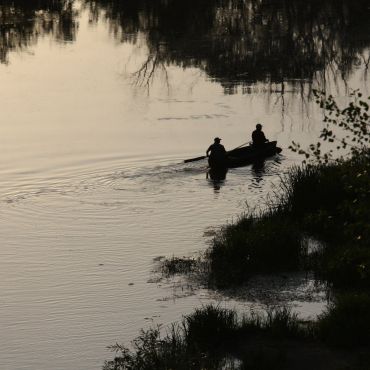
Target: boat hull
{"x": 247, "y": 155}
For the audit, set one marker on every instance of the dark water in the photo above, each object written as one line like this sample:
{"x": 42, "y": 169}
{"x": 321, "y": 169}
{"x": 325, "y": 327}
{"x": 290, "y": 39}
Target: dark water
{"x": 100, "y": 103}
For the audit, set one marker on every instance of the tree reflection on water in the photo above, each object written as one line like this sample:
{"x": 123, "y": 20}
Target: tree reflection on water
{"x": 235, "y": 42}
{"x": 240, "y": 42}
{"x": 22, "y": 22}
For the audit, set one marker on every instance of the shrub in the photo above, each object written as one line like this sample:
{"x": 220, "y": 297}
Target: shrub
{"x": 209, "y": 328}
{"x": 348, "y": 267}
{"x": 266, "y": 243}
{"x": 206, "y": 339}
{"x": 347, "y": 321}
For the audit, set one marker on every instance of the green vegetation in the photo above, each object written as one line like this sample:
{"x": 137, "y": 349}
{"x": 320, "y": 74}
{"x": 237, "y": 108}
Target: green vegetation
{"x": 205, "y": 339}
{"x": 254, "y": 244}
{"x": 215, "y": 338}
{"x": 345, "y": 128}
{"x": 346, "y": 323}
{"x": 328, "y": 202}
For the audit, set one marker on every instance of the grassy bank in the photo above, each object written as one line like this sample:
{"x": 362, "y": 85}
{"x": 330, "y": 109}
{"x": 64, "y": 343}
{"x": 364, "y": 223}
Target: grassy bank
{"x": 326, "y": 203}
{"x": 215, "y": 338}
{"x": 329, "y": 203}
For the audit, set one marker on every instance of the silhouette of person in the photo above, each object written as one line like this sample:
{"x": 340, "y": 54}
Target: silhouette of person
{"x": 258, "y": 137}
{"x": 216, "y": 154}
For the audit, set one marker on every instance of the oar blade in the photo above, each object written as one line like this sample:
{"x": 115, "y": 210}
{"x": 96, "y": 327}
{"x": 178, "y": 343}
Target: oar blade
{"x": 194, "y": 159}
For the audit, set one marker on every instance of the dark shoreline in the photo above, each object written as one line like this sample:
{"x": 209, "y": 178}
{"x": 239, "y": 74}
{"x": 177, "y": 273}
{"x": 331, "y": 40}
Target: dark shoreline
{"x": 326, "y": 202}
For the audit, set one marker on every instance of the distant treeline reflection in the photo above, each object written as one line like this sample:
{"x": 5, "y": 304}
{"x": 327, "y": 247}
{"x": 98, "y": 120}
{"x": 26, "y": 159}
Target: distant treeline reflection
{"x": 236, "y": 42}
{"x": 239, "y": 42}
{"x": 23, "y": 21}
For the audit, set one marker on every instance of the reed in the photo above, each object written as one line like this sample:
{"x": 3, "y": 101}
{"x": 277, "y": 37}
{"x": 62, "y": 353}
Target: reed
{"x": 208, "y": 338}
{"x": 255, "y": 244}
{"x": 213, "y": 337}
{"x": 328, "y": 202}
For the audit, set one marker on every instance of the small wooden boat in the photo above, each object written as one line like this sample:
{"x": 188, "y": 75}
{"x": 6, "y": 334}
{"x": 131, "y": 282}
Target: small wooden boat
{"x": 247, "y": 155}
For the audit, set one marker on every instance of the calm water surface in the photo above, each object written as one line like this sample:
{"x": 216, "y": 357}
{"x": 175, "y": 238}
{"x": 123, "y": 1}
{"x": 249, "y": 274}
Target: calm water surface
{"x": 93, "y": 186}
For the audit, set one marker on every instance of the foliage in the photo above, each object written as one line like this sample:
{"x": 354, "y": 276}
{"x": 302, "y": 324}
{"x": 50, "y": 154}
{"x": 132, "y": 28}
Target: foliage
{"x": 207, "y": 339}
{"x": 329, "y": 202}
{"x": 256, "y": 244}
{"x": 216, "y": 338}
{"x": 346, "y": 128}
{"x": 347, "y": 267}
{"x": 209, "y": 328}
{"x": 346, "y": 322}
{"x": 150, "y": 351}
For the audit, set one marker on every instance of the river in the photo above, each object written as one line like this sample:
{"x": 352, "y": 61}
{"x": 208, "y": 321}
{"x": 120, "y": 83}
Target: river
{"x": 101, "y": 101}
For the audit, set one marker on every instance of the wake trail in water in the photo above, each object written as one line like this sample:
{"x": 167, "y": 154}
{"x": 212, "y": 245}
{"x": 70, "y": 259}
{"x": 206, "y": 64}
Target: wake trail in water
{"x": 112, "y": 175}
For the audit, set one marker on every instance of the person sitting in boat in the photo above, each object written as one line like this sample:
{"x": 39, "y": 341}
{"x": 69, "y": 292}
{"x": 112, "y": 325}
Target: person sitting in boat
{"x": 258, "y": 137}
{"x": 216, "y": 154}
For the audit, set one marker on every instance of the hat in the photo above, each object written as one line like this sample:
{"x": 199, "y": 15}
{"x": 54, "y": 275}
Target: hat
{"x": 217, "y": 139}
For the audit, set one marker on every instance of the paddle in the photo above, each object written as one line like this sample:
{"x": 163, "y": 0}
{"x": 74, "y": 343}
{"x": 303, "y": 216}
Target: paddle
{"x": 194, "y": 159}
{"x": 203, "y": 156}
{"x": 247, "y": 143}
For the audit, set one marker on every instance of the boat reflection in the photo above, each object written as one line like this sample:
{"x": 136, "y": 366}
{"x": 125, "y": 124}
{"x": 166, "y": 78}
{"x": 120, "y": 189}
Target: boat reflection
{"x": 217, "y": 177}
{"x": 258, "y": 167}
{"x": 258, "y": 172}
{"x": 263, "y": 168}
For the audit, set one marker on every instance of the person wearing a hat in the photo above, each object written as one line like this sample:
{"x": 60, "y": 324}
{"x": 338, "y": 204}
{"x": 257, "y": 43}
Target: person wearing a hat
{"x": 258, "y": 137}
{"x": 216, "y": 154}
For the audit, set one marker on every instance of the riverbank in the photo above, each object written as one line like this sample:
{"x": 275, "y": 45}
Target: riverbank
{"x": 320, "y": 222}
{"x": 216, "y": 338}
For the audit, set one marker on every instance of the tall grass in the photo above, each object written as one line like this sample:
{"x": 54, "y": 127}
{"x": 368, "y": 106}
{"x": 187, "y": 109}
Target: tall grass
{"x": 256, "y": 244}
{"x": 212, "y": 336}
{"x": 204, "y": 340}
{"x": 310, "y": 188}
{"x": 210, "y": 328}
{"x": 328, "y": 202}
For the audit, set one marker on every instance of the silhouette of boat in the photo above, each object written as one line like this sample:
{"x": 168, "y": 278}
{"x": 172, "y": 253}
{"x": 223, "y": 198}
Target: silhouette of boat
{"x": 246, "y": 155}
